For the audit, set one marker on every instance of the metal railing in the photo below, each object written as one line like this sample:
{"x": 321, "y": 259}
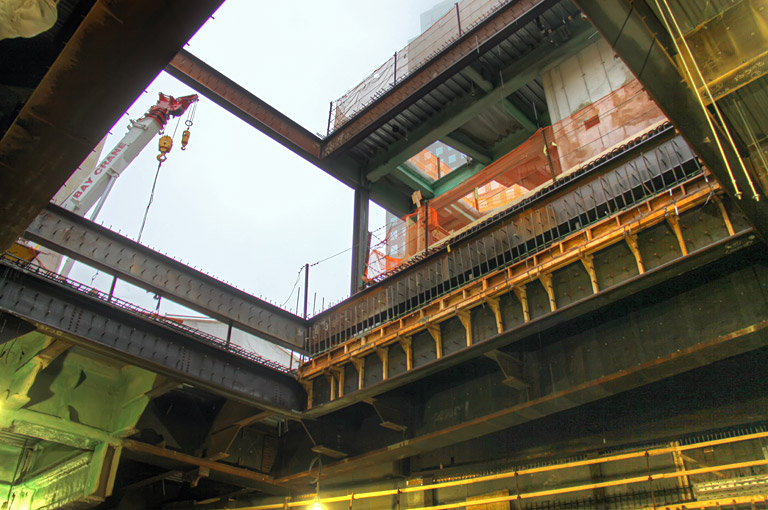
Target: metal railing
{"x": 451, "y": 27}
{"x": 514, "y": 235}
{"x": 196, "y": 334}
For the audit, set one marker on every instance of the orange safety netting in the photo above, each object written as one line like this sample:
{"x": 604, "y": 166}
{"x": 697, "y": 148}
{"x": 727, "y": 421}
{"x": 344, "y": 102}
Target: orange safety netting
{"x": 551, "y": 151}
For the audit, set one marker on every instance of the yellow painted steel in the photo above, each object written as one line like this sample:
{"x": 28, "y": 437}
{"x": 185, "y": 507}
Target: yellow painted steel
{"x": 732, "y": 46}
{"x": 308, "y": 499}
{"x": 164, "y": 145}
{"x": 22, "y": 252}
{"x": 611, "y": 230}
{"x": 679, "y": 34}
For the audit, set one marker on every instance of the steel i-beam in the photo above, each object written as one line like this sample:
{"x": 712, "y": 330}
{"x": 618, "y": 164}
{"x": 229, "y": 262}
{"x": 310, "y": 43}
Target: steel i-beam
{"x": 99, "y": 247}
{"x": 60, "y": 311}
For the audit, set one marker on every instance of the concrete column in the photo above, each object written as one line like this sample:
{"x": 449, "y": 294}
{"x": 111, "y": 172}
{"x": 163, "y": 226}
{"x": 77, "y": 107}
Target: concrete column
{"x": 359, "y": 237}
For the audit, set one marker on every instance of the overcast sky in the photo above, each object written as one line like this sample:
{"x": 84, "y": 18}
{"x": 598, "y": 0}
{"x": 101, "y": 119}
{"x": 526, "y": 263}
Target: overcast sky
{"x": 237, "y": 204}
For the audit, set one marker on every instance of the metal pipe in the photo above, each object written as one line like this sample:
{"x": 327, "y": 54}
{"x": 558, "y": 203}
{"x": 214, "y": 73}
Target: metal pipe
{"x": 737, "y": 192}
{"x": 553, "y": 467}
{"x": 426, "y": 226}
{"x": 755, "y": 196}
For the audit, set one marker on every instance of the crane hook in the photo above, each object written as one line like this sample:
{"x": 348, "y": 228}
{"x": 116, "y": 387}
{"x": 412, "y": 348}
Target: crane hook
{"x": 165, "y": 146}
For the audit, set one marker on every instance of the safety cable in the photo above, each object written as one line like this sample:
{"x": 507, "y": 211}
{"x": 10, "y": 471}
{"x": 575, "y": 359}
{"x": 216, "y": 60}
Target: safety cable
{"x": 295, "y": 284}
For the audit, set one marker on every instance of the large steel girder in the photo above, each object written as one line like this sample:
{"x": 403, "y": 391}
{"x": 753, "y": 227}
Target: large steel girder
{"x": 634, "y": 340}
{"x": 657, "y": 163}
{"x": 241, "y": 103}
{"x": 99, "y": 247}
{"x": 116, "y": 51}
{"x": 485, "y": 322}
{"x": 626, "y": 26}
{"x": 62, "y": 312}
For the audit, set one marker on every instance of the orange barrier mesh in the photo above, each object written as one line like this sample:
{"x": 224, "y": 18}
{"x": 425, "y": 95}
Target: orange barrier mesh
{"x": 548, "y": 153}
{"x": 429, "y": 164}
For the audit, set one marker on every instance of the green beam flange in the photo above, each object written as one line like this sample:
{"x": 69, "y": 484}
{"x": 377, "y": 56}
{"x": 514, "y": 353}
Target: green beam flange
{"x": 453, "y": 179}
{"x": 414, "y": 179}
{"x": 461, "y": 142}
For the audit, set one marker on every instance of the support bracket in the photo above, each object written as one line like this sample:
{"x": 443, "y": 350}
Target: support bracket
{"x": 589, "y": 264}
{"x": 389, "y": 415}
{"x": 493, "y": 304}
{"x": 434, "y": 331}
{"x": 674, "y": 223}
{"x": 546, "y": 281}
{"x": 465, "y": 316}
{"x": 522, "y": 296}
{"x": 383, "y": 353}
{"x": 511, "y": 367}
{"x": 631, "y": 240}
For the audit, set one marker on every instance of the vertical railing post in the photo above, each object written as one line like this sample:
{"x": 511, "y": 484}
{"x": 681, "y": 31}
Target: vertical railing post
{"x": 426, "y": 226}
{"x": 306, "y": 289}
{"x": 458, "y": 18}
{"x": 112, "y": 289}
{"x": 395, "y": 80}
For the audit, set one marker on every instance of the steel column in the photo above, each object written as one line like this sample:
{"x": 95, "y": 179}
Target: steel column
{"x": 359, "y": 238}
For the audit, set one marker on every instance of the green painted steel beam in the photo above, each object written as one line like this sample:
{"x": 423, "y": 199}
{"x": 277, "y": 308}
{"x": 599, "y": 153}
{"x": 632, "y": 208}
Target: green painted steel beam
{"x": 511, "y": 108}
{"x": 462, "y": 110}
{"x": 461, "y": 142}
{"x": 453, "y": 179}
{"x": 473, "y": 74}
{"x": 449, "y": 119}
{"x": 390, "y": 198}
{"x": 516, "y": 113}
{"x": 509, "y": 143}
{"x": 414, "y": 179}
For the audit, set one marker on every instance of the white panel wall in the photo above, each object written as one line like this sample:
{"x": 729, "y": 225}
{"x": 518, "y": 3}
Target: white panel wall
{"x": 583, "y": 78}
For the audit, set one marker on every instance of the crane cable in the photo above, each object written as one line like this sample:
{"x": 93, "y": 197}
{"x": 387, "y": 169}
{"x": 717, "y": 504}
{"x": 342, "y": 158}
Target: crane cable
{"x": 149, "y": 204}
{"x": 161, "y": 159}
